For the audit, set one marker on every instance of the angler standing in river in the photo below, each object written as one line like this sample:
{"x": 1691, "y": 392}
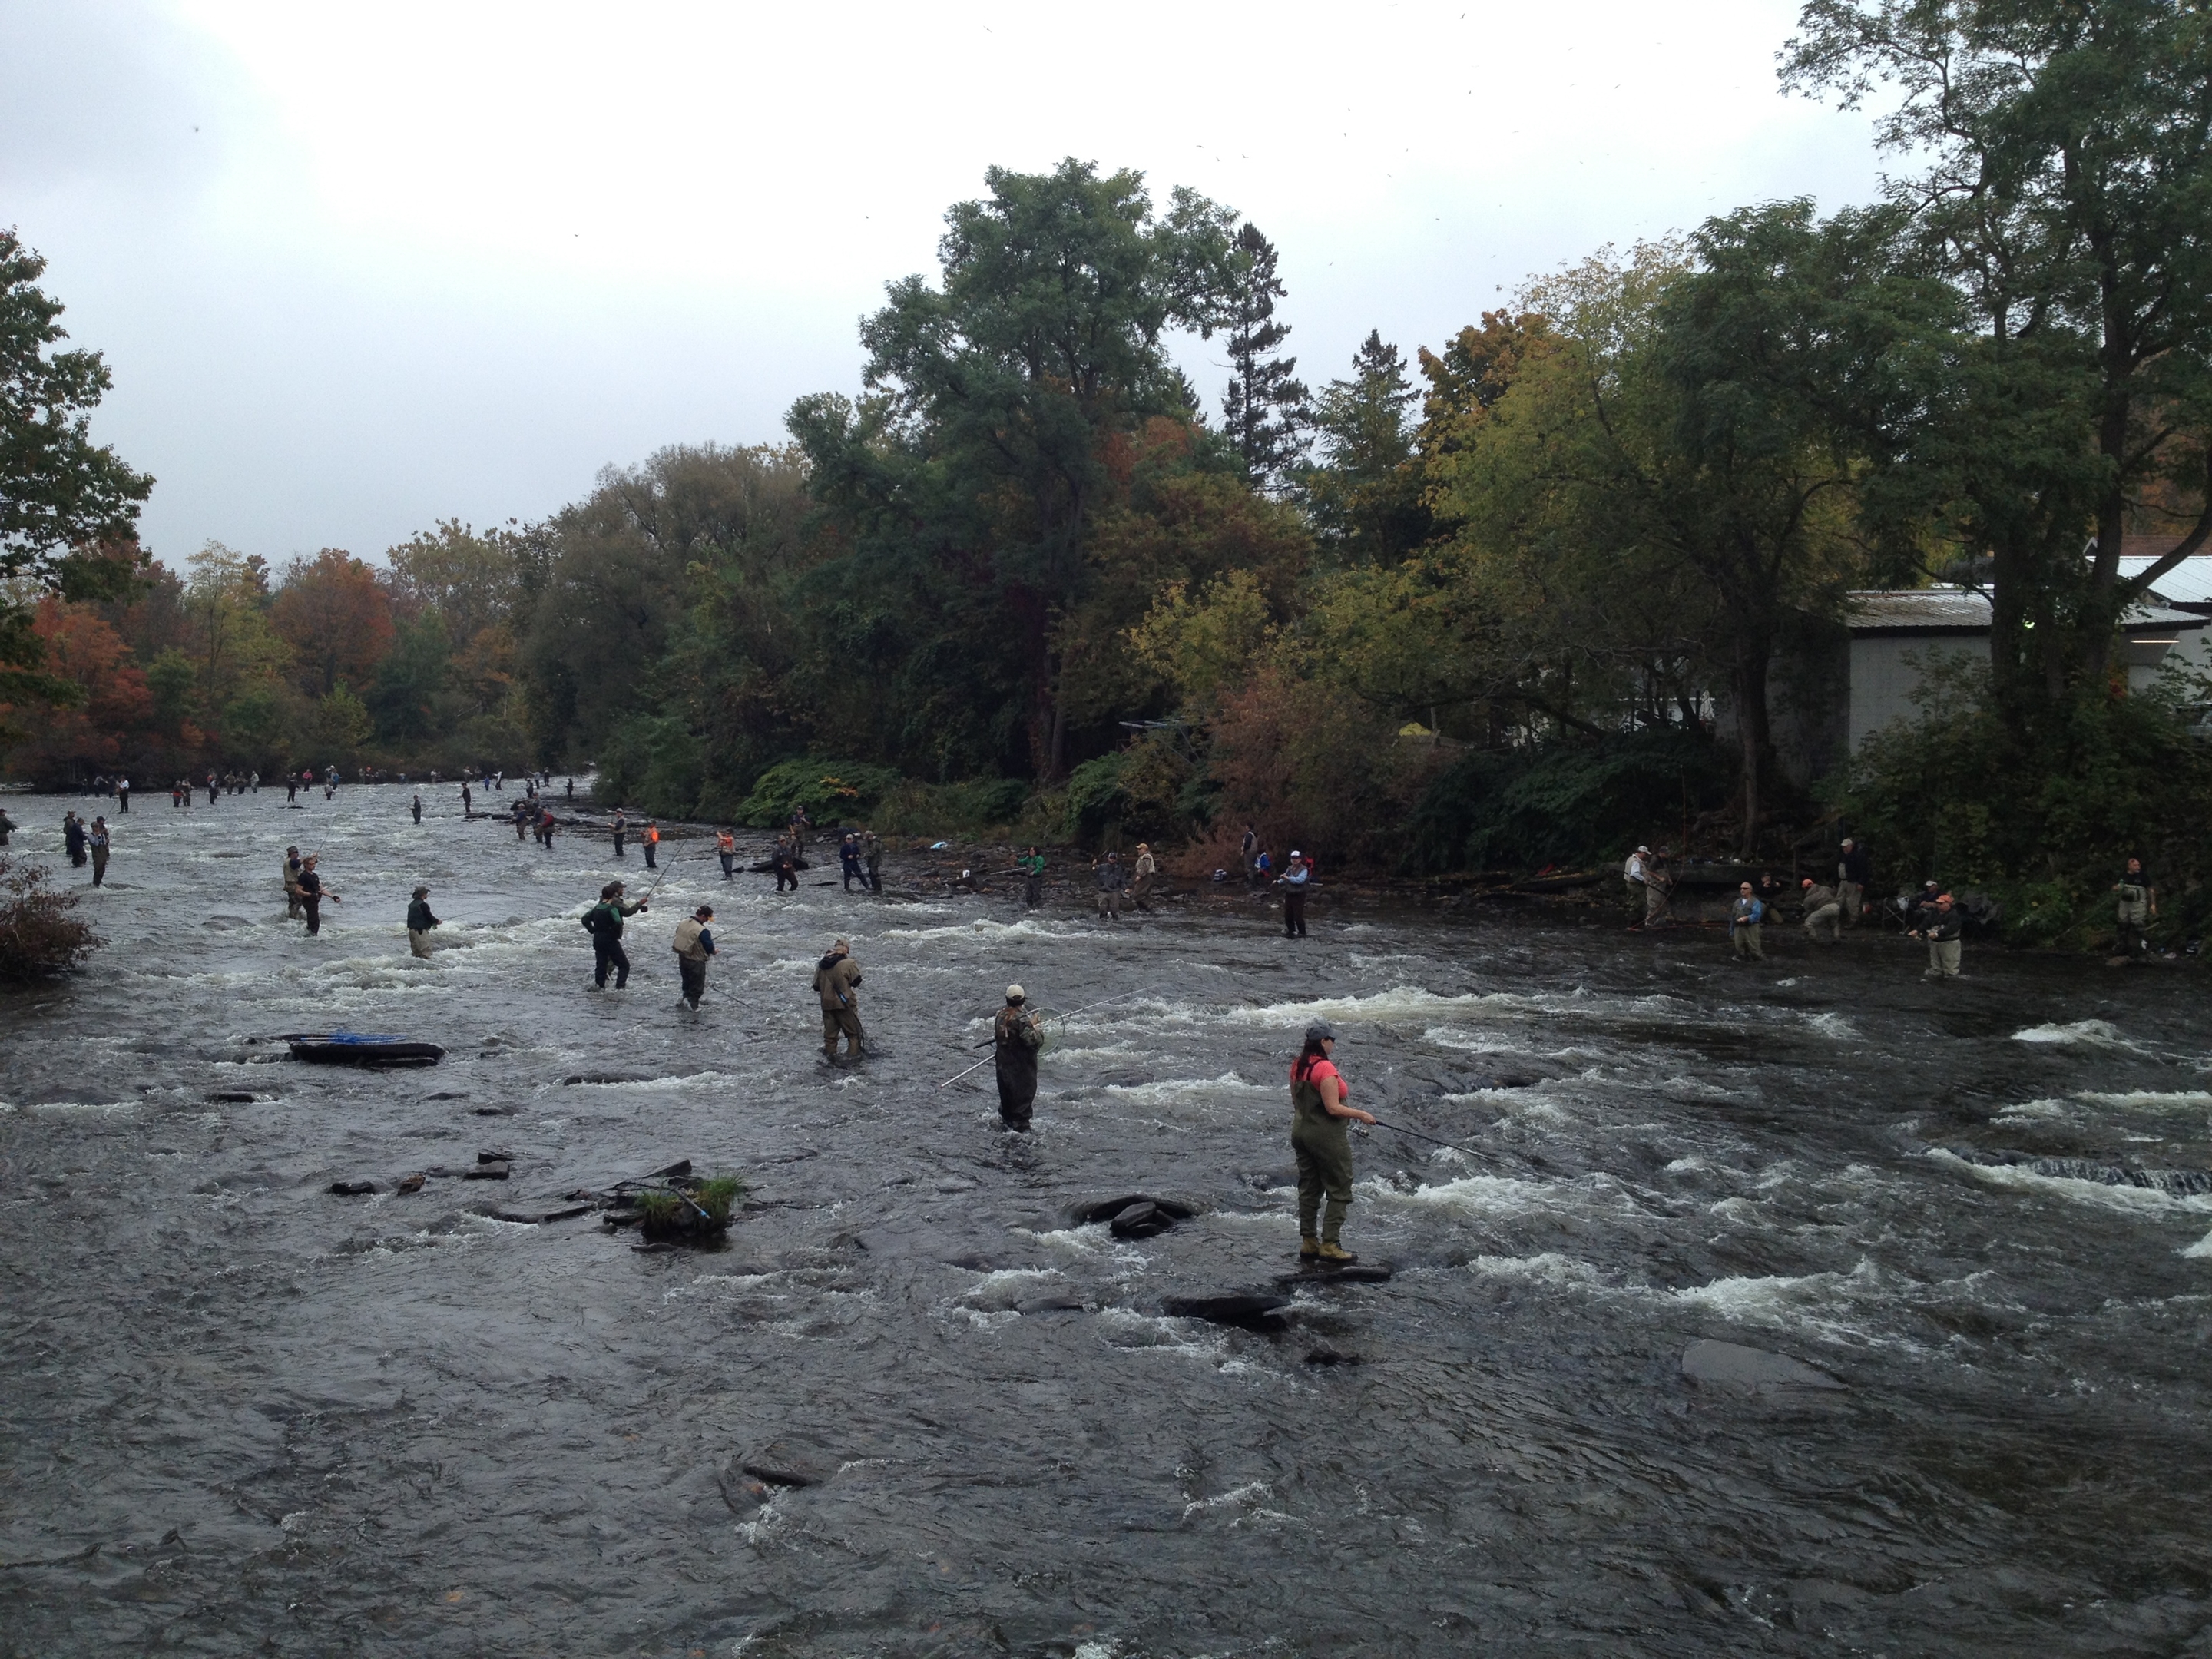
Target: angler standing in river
{"x": 420, "y": 921}
{"x": 1016, "y": 1040}
{"x": 694, "y": 944}
{"x": 1745, "y": 916}
{"x": 312, "y": 894}
{"x": 1297, "y": 877}
{"x": 725, "y": 848}
{"x": 604, "y": 922}
{"x": 96, "y": 842}
{"x": 836, "y": 983}
{"x": 1319, "y": 1111}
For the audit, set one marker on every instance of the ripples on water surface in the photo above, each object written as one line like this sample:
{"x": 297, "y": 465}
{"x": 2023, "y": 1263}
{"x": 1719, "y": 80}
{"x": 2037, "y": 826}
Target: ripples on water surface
{"x": 243, "y": 1415}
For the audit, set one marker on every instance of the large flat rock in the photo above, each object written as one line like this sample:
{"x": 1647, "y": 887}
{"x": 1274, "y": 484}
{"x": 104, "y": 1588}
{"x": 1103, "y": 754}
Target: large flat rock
{"x": 1730, "y": 1364}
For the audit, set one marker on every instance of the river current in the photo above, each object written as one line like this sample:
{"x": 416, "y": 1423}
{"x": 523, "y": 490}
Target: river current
{"x": 242, "y": 1415}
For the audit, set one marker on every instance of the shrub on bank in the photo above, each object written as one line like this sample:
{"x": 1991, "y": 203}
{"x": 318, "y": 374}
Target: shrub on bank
{"x": 41, "y": 935}
{"x": 831, "y": 791}
{"x": 1572, "y": 803}
{"x": 2046, "y": 818}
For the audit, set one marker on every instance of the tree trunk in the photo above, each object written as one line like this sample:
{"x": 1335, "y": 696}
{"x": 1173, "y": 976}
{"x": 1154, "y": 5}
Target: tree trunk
{"x": 1755, "y": 648}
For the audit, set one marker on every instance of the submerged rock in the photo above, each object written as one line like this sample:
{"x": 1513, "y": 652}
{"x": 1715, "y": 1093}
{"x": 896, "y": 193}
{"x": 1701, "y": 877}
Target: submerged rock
{"x": 1730, "y": 1364}
{"x": 1331, "y": 1357}
{"x": 789, "y": 1461}
{"x": 2187, "y": 1183}
{"x": 1247, "y": 1308}
{"x": 1360, "y": 1273}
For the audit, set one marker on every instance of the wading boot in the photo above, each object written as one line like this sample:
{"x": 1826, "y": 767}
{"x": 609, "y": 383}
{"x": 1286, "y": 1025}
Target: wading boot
{"x": 1333, "y": 1254}
{"x": 1309, "y": 1249}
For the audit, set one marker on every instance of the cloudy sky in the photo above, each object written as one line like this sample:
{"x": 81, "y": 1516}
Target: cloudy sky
{"x": 357, "y": 269}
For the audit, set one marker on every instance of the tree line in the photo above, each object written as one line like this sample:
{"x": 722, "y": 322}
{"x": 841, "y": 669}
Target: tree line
{"x": 1509, "y": 602}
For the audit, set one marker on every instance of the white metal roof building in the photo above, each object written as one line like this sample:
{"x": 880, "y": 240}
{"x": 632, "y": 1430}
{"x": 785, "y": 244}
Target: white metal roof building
{"x": 1897, "y": 635}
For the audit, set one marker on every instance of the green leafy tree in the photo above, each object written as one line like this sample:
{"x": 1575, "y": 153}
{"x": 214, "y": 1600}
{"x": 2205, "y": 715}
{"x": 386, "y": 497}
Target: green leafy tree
{"x": 2063, "y": 153}
{"x": 68, "y": 507}
{"x": 342, "y": 723}
{"x": 987, "y": 443}
{"x": 1703, "y": 430}
{"x": 411, "y": 680}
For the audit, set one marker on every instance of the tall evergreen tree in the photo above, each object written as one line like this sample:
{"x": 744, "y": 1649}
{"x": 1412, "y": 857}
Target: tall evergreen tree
{"x": 1265, "y": 408}
{"x": 1365, "y": 496}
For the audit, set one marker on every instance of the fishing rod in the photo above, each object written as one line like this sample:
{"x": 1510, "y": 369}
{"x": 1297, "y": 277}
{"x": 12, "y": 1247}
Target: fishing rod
{"x": 1400, "y": 1128}
{"x": 1040, "y": 1013}
{"x": 1070, "y": 1014}
{"x": 977, "y": 1067}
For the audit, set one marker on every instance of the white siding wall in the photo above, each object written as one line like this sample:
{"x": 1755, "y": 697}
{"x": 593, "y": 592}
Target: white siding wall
{"x": 1883, "y": 682}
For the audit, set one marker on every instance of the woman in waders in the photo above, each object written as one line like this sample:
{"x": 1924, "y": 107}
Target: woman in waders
{"x": 1318, "y": 1113}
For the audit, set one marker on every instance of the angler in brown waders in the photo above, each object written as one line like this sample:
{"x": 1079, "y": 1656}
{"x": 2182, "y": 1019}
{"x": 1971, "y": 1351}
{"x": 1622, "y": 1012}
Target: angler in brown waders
{"x": 1017, "y": 1039}
{"x": 837, "y": 983}
{"x": 1318, "y": 1113}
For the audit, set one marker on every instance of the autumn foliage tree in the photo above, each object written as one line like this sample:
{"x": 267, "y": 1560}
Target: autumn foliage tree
{"x": 337, "y": 616}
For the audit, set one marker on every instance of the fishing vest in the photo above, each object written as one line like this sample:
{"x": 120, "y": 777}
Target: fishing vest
{"x": 687, "y": 939}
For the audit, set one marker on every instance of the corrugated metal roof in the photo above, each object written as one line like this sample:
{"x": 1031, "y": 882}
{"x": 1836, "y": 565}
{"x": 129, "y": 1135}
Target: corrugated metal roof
{"x": 1919, "y": 607}
{"x": 2189, "y": 582}
{"x": 1958, "y": 608}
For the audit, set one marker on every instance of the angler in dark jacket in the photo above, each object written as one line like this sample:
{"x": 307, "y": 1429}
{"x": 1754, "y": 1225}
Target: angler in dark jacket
{"x": 1017, "y": 1039}
{"x": 1941, "y": 926}
{"x": 604, "y": 922}
{"x": 420, "y": 921}
{"x": 312, "y": 893}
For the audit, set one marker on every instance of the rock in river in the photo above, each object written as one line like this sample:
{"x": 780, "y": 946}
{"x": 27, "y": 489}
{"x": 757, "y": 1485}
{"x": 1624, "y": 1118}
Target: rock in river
{"x": 1247, "y": 1308}
{"x": 1729, "y": 1365}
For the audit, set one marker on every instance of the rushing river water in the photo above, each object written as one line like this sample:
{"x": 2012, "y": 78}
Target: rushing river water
{"x": 243, "y": 1415}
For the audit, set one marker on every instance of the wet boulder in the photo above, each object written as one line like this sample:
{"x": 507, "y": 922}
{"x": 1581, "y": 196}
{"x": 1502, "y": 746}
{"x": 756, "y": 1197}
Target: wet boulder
{"x": 1248, "y": 1308}
{"x": 1109, "y": 1209}
{"x": 354, "y": 1188}
{"x": 1140, "y": 1220}
{"x": 1731, "y": 1365}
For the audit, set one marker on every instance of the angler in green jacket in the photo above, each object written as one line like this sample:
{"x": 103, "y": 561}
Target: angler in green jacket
{"x": 604, "y": 922}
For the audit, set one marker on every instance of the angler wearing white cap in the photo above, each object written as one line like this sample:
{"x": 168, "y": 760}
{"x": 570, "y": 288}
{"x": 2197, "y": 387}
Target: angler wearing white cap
{"x": 1296, "y": 878}
{"x": 1647, "y": 886}
{"x": 1016, "y": 1039}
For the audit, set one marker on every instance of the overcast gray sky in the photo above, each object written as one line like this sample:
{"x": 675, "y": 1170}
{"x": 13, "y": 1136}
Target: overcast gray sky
{"x": 356, "y": 269}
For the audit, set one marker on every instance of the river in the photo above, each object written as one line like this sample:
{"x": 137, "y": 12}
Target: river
{"x": 242, "y": 1415}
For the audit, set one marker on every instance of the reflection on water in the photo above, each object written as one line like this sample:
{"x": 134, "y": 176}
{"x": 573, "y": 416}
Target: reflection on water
{"x": 244, "y": 1413}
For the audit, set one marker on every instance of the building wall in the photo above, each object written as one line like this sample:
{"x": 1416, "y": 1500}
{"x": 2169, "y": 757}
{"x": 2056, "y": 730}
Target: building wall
{"x": 1886, "y": 670}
